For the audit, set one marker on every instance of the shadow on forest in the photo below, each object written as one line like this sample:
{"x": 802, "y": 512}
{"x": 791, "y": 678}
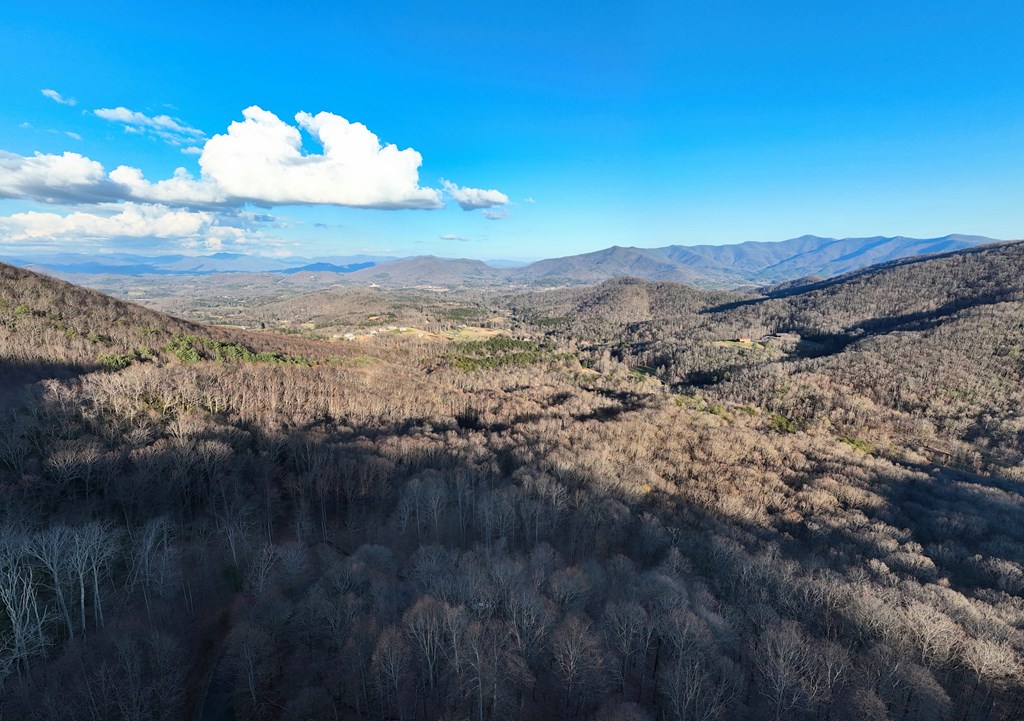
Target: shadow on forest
{"x": 911, "y": 322}
{"x": 350, "y": 524}
{"x": 627, "y": 402}
{"x": 597, "y": 529}
{"x": 16, "y": 376}
{"x": 818, "y": 345}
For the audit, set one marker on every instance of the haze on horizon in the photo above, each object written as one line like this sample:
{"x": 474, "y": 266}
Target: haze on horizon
{"x": 521, "y": 133}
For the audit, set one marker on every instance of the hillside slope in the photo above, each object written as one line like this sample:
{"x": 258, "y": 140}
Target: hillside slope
{"x": 932, "y": 347}
{"x": 53, "y": 329}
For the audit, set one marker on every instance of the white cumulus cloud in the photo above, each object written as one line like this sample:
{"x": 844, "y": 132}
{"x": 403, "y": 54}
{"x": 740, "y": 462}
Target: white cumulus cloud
{"x": 70, "y": 177}
{"x": 260, "y": 160}
{"x": 474, "y": 198}
{"x": 57, "y": 97}
{"x": 180, "y": 189}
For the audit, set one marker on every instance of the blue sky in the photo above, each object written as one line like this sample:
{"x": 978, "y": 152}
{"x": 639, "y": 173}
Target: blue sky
{"x": 564, "y": 127}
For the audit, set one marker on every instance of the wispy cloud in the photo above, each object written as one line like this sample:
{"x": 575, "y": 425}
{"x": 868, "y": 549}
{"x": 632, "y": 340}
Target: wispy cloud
{"x": 449, "y": 236}
{"x": 171, "y": 130}
{"x": 57, "y": 97}
{"x": 29, "y": 126}
{"x": 495, "y": 214}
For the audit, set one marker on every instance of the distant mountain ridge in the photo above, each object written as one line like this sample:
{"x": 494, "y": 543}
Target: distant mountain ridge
{"x": 137, "y": 265}
{"x": 748, "y": 263}
{"x": 324, "y": 267}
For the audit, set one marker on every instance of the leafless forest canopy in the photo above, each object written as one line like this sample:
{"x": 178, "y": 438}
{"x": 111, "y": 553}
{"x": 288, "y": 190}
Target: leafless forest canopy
{"x": 633, "y": 501}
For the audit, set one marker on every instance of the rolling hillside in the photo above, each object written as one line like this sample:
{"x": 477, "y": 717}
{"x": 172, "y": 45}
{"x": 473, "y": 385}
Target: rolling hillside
{"x": 52, "y": 329}
{"x": 930, "y": 344}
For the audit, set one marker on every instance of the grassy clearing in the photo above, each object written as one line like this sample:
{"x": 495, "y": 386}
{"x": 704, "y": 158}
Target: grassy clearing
{"x": 747, "y": 345}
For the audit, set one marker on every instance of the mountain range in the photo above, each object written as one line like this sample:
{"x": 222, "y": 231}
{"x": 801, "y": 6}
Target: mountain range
{"x": 129, "y": 264}
{"x": 749, "y": 263}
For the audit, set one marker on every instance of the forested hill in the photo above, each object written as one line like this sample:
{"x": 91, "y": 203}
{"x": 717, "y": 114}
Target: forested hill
{"x": 932, "y": 346}
{"x": 51, "y": 328}
{"x": 986, "y": 274}
{"x": 904, "y": 288}
{"x": 638, "y": 501}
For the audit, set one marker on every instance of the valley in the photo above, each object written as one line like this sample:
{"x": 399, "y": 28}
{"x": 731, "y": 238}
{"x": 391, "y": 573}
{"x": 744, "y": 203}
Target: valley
{"x": 630, "y": 500}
